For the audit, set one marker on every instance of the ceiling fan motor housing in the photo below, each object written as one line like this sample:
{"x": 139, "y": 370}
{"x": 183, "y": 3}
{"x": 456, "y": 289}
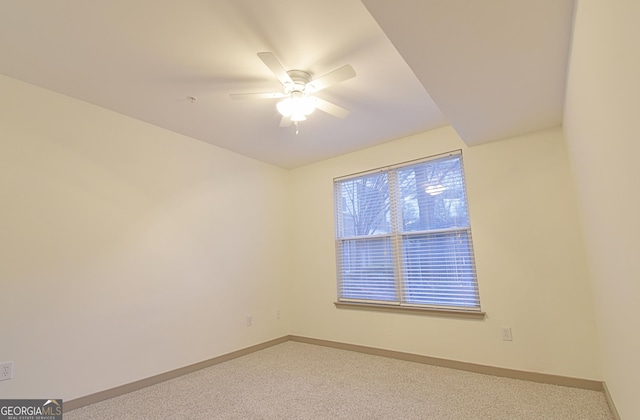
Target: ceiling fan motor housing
{"x": 300, "y": 83}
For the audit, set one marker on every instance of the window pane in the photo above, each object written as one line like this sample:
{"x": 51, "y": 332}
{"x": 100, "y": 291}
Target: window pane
{"x": 439, "y": 269}
{"x": 367, "y": 269}
{"x": 403, "y": 236}
{"x": 432, "y": 195}
{"x": 364, "y": 206}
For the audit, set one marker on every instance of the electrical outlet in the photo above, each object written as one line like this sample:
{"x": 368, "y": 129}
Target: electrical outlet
{"x": 6, "y": 371}
{"x": 249, "y": 320}
{"x": 278, "y": 314}
{"x": 506, "y": 334}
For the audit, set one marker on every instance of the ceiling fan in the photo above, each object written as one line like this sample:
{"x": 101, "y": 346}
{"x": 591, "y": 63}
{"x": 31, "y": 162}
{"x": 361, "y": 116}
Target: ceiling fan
{"x": 297, "y": 99}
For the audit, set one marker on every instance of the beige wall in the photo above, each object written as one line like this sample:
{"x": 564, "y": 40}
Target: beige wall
{"x": 127, "y": 250}
{"x": 601, "y": 113}
{"x": 529, "y": 255}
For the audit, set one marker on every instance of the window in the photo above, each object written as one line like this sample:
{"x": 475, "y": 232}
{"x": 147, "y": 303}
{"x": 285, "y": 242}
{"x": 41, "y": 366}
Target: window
{"x": 403, "y": 236}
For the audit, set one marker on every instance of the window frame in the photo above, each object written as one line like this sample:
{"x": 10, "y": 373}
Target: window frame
{"x": 397, "y": 234}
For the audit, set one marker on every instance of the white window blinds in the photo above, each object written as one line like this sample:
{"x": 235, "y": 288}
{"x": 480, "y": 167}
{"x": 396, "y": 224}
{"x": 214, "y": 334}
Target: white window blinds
{"x": 403, "y": 236}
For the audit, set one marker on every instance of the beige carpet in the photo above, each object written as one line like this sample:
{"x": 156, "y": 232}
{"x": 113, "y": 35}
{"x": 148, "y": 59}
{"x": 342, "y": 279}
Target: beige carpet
{"x": 301, "y": 381}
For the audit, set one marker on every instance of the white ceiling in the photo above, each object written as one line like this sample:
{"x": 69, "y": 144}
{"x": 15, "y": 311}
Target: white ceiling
{"x": 494, "y": 68}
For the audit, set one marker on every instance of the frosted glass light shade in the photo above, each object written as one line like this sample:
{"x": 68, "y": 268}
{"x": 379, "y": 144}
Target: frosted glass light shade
{"x": 297, "y": 106}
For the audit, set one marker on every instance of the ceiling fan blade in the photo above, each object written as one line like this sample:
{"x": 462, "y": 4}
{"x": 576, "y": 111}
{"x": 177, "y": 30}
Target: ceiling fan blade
{"x": 268, "y": 95}
{"x": 339, "y": 75}
{"x": 274, "y": 65}
{"x": 285, "y": 121}
{"x": 331, "y": 108}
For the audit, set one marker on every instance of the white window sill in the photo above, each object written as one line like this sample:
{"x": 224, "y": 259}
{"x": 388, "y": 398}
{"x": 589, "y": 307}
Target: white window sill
{"x": 411, "y": 310}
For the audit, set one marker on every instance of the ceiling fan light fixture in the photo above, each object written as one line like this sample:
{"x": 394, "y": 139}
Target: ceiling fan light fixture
{"x": 297, "y": 106}
{"x": 284, "y": 106}
{"x": 298, "y": 116}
